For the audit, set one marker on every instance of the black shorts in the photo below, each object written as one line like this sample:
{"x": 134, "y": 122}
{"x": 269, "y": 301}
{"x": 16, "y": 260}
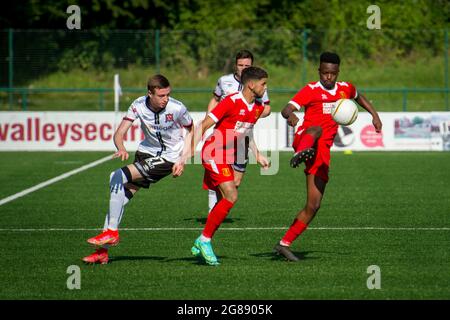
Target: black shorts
{"x": 152, "y": 168}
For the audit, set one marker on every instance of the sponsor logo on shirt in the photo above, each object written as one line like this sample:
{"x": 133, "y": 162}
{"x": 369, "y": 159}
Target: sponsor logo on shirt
{"x": 243, "y": 127}
{"x": 327, "y": 107}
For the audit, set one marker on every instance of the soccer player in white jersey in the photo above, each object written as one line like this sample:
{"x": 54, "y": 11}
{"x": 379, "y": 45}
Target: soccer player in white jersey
{"x": 164, "y": 151}
{"x": 226, "y": 85}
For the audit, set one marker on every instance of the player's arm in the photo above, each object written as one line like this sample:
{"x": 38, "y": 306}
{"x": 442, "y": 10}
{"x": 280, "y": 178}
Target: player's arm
{"x": 178, "y": 167}
{"x": 376, "y": 121}
{"x": 212, "y": 104}
{"x": 206, "y": 123}
{"x": 266, "y": 111}
{"x": 123, "y": 128}
{"x": 260, "y": 158}
{"x": 288, "y": 113}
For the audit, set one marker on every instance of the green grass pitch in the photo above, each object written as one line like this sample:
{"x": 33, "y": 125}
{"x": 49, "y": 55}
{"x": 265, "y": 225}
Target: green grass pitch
{"x": 404, "y": 196}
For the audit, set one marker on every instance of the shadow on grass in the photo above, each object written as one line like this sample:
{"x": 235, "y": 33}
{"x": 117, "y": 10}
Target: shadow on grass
{"x": 203, "y": 220}
{"x": 302, "y": 255}
{"x": 135, "y": 258}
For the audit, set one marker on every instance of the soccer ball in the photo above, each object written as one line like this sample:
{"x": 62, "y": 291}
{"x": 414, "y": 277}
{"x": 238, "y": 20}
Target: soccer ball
{"x": 344, "y": 112}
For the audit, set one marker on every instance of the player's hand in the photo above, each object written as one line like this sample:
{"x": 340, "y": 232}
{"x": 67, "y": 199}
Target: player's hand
{"x": 123, "y": 154}
{"x": 292, "y": 120}
{"x": 376, "y": 121}
{"x": 263, "y": 161}
{"x": 177, "y": 169}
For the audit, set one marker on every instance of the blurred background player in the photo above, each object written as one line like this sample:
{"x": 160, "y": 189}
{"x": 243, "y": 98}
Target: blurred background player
{"x": 226, "y": 85}
{"x": 163, "y": 151}
{"x": 314, "y": 138}
{"x": 235, "y": 117}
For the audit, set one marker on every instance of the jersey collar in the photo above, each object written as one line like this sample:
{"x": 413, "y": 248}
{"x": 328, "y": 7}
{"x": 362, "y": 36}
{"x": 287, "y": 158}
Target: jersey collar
{"x": 331, "y": 91}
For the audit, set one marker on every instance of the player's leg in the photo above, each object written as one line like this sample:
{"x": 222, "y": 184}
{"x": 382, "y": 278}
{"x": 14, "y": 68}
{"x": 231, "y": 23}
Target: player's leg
{"x": 121, "y": 192}
{"x": 303, "y": 145}
{"x": 315, "y": 189}
{"x": 202, "y": 244}
{"x": 214, "y": 196}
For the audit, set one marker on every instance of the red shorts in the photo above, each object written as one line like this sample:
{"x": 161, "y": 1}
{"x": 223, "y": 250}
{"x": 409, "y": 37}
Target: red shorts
{"x": 319, "y": 165}
{"x": 216, "y": 174}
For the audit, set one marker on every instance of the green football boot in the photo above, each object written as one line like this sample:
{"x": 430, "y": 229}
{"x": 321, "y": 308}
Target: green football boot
{"x": 205, "y": 249}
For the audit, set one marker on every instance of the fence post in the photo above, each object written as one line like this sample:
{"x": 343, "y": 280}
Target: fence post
{"x": 10, "y": 67}
{"x": 102, "y": 100}
{"x": 24, "y": 100}
{"x": 157, "y": 50}
{"x": 405, "y": 99}
{"x": 305, "y": 58}
{"x": 446, "y": 70}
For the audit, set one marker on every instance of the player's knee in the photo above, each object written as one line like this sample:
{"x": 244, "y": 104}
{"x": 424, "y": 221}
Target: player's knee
{"x": 118, "y": 178}
{"x": 312, "y": 207}
{"x": 232, "y": 197}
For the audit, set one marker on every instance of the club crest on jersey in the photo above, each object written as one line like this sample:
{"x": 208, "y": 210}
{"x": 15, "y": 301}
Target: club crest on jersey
{"x": 226, "y": 172}
{"x": 257, "y": 113}
{"x": 169, "y": 117}
{"x": 343, "y": 95}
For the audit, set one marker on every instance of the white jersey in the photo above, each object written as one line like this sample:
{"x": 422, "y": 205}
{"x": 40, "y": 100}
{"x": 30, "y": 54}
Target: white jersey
{"x": 163, "y": 130}
{"x": 228, "y": 84}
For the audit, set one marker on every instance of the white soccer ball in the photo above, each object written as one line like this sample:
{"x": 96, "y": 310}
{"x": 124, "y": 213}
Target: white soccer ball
{"x": 344, "y": 112}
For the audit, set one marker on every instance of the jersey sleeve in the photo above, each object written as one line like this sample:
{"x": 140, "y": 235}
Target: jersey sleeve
{"x": 302, "y": 98}
{"x": 353, "y": 91}
{"x": 131, "y": 113}
{"x": 220, "y": 110}
{"x": 265, "y": 98}
{"x": 218, "y": 92}
{"x": 185, "y": 118}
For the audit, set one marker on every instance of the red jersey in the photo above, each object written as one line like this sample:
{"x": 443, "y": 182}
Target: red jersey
{"x": 235, "y": 119}
{"x": 318, "y": 101}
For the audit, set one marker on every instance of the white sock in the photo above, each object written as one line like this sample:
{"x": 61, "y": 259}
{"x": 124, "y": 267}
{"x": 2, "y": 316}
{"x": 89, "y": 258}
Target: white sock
{"x": 106, "y": 224}
{"x": 212, "y": 199}
{"x": 117, "y": 198}
{"x": 204, "y": 239}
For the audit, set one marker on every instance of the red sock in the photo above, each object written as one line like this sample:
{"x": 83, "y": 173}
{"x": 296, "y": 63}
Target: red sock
{"x": 296, "y": 229}
{"x": 307, "y": 141}
{"x": 216, "y": 216}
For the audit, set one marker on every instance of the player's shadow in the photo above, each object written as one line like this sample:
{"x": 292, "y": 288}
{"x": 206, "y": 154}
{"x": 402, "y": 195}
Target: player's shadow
{"x": 203, "y": 220}
{"x": 302, "y": 255}
{"x": 193, "y": 260}
{"x": 135, "y": 258}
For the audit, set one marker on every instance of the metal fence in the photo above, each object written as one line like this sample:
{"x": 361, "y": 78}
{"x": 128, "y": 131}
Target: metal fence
{"x": 29, "y": 55}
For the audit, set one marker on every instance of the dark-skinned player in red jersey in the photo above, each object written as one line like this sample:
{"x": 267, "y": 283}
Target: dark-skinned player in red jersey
{"x": 314, "y": 138}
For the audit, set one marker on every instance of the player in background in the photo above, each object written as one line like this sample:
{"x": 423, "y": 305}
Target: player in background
{"x": 314, "y": 138}
{"x": 226, "y": 85}
{"x": 164, "y": 151}
{"x": 234, "y": 119}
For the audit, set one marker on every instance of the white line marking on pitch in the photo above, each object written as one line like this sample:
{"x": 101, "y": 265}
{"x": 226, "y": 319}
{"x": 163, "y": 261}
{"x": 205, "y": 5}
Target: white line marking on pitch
{"x": 53, "y": 180}
{"x": 229, "y": 229}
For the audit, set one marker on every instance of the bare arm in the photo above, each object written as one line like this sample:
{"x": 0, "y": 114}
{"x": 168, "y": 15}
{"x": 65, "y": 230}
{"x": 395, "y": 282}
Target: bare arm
{"x": 288, "y": 113}
{"x": 266, "y": 111}
{"x": 376, "y": 121}
{"x": 178, "y": 167}
{"x": 212, "y": 104}
{"x": 118, "y": 140}
{"x": 206, "y": 123}
{"x": 260, "y": 158}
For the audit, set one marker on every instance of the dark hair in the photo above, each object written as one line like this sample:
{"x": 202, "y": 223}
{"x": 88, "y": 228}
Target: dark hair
{"x": 253, "y": 73}
{"x": 244, "y": 54}
{"x": 158, "y": 81}
{"x": 330, "y": 57}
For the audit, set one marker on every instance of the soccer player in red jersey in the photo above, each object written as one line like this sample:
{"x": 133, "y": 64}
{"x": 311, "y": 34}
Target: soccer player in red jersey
{"x": 234, "y": 117}
{"x": 314, "y": 138}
